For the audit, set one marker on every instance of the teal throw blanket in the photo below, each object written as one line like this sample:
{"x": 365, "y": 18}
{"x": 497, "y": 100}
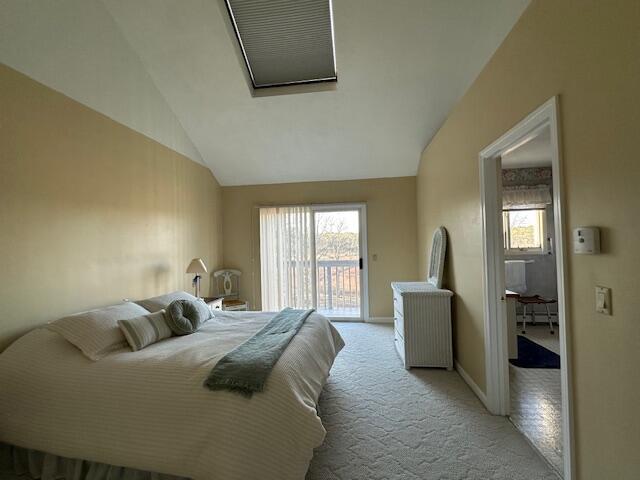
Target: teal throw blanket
{"x": 245, "y": 369}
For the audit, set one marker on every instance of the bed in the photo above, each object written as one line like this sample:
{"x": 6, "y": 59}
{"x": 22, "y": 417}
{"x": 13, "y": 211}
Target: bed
{"x": 148, "y": 410}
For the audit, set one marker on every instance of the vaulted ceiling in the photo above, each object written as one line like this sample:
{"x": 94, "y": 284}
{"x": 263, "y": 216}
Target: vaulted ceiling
{"x": 402, "y": 65}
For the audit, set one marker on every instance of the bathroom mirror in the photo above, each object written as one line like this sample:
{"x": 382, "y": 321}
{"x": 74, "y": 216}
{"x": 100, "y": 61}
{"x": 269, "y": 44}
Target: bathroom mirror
{"x": 436, "y": 259}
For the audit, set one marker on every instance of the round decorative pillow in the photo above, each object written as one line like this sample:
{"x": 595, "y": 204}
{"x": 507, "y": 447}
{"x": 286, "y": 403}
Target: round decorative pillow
{"x": 187, "y": 316}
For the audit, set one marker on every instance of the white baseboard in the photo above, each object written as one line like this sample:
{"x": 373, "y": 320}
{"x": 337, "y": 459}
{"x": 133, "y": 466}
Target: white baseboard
{"x": 472, "y": 385}
{"x": 380, "y": 320}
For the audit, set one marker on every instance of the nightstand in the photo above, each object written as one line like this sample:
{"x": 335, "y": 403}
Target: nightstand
{"x": 231, "y": 304}
{"x": 214, "y": 303}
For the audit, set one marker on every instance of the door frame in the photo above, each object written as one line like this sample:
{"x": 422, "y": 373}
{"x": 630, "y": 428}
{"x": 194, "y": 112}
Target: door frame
{"x": 494, "y": 302}
{"x": 364, "y": 271}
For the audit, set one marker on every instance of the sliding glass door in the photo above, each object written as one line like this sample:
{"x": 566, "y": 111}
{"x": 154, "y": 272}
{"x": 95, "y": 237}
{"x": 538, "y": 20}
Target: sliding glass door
{"x": 314, "y": 257}
{"x": 338, "y": 256}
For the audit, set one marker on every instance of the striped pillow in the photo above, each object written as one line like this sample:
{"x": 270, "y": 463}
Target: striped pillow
{"x": 96, "y": 332}
{"x": 145, "y": 330}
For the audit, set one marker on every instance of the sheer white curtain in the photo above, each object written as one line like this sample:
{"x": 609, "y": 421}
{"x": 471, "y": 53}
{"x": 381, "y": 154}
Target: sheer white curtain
{"x": 286, "y": 263}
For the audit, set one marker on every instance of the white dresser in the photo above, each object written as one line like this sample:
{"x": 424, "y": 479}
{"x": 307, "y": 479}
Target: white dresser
{"x": 422, "y": 321}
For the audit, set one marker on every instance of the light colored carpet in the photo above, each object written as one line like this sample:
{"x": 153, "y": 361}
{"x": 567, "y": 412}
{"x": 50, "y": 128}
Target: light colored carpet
{"x": 384, "y": 422}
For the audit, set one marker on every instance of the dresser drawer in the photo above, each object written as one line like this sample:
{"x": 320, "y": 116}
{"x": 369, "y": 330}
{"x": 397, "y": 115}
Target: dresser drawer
{"x": 399, "y": 341}
{"x": 397, "y": 302}
{"x": 398, "y": 322}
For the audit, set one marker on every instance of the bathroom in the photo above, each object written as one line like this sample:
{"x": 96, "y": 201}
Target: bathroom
{"x": 532, "y": 296}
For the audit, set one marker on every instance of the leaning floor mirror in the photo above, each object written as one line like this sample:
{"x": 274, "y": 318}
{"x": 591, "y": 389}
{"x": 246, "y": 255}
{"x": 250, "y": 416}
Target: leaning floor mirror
{"x": 436, "y": 259}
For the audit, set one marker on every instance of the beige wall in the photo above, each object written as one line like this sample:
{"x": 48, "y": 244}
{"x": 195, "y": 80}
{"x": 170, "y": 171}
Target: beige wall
{"x": 588, "y": 53}
{"x": 391, "y": 213}
{"x": 90, "y": 211}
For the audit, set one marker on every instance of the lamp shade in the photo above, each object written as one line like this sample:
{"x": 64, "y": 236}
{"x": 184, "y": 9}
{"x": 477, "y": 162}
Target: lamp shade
{"x": 197, "y": 266}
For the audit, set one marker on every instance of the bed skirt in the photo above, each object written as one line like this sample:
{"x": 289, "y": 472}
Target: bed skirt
{"x": 46, "y": 466}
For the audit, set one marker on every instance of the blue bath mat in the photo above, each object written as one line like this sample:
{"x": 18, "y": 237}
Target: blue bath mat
{"x": 532, "y": 355}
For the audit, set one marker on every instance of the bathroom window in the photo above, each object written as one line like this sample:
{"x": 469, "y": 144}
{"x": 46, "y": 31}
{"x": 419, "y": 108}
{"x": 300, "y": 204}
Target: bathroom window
{"x": 524, "y": 231}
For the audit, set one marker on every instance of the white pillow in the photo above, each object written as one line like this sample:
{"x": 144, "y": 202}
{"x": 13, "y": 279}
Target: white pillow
{"x": 96, "y": 332}
{"x": 161, "y": 302}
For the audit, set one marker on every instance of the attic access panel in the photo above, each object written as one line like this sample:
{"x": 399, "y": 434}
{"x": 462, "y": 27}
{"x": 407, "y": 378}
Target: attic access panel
{"x": 285, "y": 42}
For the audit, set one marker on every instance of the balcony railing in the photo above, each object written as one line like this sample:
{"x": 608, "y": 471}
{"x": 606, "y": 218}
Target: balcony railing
{"x": 338, "y": 287}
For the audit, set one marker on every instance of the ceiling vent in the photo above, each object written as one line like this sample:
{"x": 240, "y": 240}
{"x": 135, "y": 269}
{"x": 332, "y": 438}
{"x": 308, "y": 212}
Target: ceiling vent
{"x": 285, "y": 42}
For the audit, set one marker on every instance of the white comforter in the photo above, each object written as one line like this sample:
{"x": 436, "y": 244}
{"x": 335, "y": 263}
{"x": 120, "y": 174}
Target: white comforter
{"x": 149, "y": 410}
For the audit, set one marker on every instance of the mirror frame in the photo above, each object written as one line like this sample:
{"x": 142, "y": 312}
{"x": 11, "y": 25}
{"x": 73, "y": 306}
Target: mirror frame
{"x": 436, "y": 258}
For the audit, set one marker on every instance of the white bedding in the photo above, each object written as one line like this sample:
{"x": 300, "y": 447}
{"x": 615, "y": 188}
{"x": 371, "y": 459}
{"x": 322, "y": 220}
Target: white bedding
{"x": 148, "y": 409}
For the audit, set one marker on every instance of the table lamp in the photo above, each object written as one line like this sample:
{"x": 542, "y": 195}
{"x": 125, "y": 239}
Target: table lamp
{"x": 197, "y": 266}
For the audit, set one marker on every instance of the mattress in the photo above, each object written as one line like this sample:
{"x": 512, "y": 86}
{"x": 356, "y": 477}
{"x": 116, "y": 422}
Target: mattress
{"x": 149, "y": 410}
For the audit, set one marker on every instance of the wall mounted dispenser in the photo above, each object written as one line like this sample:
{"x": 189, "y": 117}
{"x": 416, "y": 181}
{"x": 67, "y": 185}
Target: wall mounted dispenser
{"x": 586, "y": 240}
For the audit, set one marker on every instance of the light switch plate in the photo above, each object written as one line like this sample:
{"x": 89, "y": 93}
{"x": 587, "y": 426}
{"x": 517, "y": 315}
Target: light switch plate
{"x": 603, "y": 300}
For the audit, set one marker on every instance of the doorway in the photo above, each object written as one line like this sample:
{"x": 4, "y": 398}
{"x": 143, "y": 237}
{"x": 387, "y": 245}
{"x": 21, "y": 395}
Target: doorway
{"x": 523, "y": 225}
{"x": 339, "y": 257}
{"x": 314, "y": 256}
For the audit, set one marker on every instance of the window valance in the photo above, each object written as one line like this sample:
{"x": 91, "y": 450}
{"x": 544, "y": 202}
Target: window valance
{"x": 526, "y": 197}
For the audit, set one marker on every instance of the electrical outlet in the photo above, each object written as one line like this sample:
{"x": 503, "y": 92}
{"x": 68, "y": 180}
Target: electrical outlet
{"x": 603, "y": 300}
